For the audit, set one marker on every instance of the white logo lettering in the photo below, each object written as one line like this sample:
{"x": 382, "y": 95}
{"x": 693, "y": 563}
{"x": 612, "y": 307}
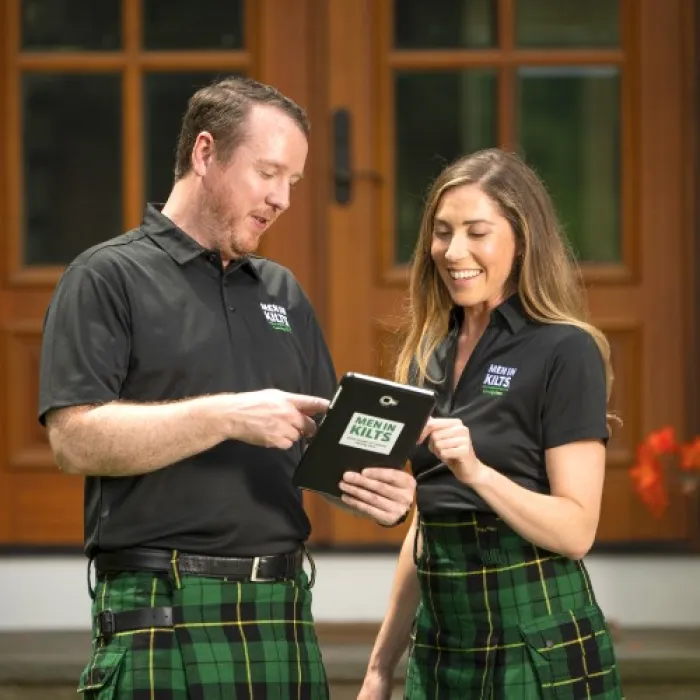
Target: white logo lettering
{"x": 277, "y": 317}
{"x": 498, "y": 379}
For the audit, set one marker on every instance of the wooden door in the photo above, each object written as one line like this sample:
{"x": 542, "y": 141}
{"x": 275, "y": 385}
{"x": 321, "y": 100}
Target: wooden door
{"x": 593, "y": 94}
{"x": 598, "y": 98}
{"x": 90, "y": 109}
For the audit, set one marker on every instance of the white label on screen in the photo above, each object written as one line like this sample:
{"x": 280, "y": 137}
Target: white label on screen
{"x": 371, "y": 433}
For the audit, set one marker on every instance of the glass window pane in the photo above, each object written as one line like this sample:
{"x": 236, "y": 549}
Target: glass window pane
{"x": 569, "y": 130}
{"x": 567, "y": 23}
{"x": 444, "y": 24}
{"x": 439, "y": 116}
{"x": 72, "y": 151}
{"x": 177, "y": 25}
{"x": 71, "y": 25}
{"x": 165, "y": 102}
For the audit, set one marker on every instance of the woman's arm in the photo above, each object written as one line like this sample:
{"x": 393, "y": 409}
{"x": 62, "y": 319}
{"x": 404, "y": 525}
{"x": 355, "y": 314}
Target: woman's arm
{"x": 565, "y": 521}
{"x": 395, "y": 631}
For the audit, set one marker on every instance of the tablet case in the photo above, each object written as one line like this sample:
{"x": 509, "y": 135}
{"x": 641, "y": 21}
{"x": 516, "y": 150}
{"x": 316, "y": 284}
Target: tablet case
{"x": 370, "y": 422}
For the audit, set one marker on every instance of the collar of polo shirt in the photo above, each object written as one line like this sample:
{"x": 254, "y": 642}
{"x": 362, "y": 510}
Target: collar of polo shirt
{"x": 177, "y": 244}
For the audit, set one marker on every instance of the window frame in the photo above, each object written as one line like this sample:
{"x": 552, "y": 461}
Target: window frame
{"x": 132, "y": 62}
{"x": 506, "y": 58}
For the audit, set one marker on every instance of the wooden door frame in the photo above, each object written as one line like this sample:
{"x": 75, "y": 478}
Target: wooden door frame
{"x": 692, "y": 86}
{"x": 691, "y": 63}
{"x": 4, "y": 310}
{"x": 299, "y": 241}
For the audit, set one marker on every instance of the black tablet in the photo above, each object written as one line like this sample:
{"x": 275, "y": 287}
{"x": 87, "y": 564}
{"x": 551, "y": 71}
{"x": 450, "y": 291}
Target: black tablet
{"x": 370, "y": 422}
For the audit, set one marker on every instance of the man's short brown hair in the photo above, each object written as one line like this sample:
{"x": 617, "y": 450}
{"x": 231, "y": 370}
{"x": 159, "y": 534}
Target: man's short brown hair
{"x": 221, "y": 109}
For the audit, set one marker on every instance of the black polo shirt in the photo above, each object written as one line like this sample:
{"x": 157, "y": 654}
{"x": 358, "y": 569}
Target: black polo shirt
{"x": 152, "y": 316}
{"x": 527, "y": 387}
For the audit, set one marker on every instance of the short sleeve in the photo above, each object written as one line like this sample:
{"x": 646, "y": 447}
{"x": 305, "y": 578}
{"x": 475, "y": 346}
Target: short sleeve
{"x": 575, "y": 402}
{"x": 85, "y": 343}
{"x": 322, "y": 377}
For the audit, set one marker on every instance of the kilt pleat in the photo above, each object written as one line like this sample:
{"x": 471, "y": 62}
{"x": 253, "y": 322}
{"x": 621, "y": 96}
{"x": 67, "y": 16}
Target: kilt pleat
{"x": 502, "y": 619}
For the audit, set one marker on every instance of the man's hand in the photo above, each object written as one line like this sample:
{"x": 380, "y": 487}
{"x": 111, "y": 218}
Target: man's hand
{"x": 382, "y": 493}
{"x": 270, "y": 418}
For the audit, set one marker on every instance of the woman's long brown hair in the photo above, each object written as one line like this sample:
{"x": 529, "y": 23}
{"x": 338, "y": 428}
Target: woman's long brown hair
{"x": 547, "y": 276}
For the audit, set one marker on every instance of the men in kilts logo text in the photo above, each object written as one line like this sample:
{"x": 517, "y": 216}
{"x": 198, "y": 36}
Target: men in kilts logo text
{"x": 181, "y": 374}
{"x": 490, "y": 591}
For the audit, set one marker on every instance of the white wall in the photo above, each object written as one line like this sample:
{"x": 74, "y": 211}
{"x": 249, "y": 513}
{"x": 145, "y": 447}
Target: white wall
{"x": 635, "y": 591}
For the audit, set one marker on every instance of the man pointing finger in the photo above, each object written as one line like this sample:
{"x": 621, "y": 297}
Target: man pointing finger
{"x": 180, "y": 374}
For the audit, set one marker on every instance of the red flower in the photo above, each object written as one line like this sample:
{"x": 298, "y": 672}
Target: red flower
{"x": 690, "y": 455}
{"x": 662, "y": 441}
{"x": 647, "y": 476}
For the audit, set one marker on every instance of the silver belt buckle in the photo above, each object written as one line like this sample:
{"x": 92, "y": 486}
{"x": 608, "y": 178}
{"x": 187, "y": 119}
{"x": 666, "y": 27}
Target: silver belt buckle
{"x": 254, "y": 577}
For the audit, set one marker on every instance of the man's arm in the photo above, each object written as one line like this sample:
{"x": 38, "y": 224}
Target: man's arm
{"x": 123, "y": 439}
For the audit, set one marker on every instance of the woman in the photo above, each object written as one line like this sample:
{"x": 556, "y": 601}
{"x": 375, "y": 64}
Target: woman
{"x": 510, "y": 478}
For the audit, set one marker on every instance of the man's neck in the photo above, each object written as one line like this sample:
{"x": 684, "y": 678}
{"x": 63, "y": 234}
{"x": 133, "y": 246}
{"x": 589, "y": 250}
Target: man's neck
{"x": 182, "y": 208}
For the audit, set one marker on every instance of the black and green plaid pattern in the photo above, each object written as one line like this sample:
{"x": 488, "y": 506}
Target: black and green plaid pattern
{"x": 500, "y": 619}
{"x": 230, "y": 640}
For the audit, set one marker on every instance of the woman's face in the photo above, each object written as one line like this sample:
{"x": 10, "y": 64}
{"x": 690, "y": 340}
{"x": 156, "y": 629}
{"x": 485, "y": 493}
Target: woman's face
{"x": 473, "y": 246}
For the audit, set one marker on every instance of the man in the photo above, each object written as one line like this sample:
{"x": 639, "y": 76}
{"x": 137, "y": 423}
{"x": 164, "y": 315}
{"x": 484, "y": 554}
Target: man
{"x": 181, "y": 375}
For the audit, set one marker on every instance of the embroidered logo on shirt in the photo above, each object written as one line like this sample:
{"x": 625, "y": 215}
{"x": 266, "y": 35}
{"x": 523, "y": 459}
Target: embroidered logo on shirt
{"x": 497, "y": 380}
{"x": 277, "y": 317}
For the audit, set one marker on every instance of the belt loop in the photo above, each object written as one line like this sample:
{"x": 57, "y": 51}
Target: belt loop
{"x": 91, "y": 588}
{"x": 174, "y": 571}
{"x": 312, "y": 564}
{"x": 104, "y": 626}
{"x": 488, "y": 540}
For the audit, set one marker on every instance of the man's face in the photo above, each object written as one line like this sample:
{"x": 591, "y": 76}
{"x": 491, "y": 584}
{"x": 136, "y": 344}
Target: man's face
{"x": 243, "y": 196}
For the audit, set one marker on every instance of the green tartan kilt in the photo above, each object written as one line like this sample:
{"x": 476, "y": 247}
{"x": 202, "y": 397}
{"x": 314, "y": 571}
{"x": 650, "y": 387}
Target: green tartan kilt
{"x": 502, "y": 619}
{"x": 229, "y": 640}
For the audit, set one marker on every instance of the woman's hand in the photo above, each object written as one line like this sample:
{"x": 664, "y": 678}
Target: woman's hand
{"x": 449, "y": 440}
{"x": 376, "y": 686}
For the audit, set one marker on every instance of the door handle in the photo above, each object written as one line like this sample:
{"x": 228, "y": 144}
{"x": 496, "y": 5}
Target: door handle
{"x": 343, "y": 173}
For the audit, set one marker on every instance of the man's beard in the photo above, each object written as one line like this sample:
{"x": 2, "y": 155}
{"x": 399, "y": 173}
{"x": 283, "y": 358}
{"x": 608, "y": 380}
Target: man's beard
{"x": 225, "y": 229}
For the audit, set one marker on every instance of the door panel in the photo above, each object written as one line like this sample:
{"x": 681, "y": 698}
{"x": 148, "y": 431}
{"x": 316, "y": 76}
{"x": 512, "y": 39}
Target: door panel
{"x": 352, "y": 249}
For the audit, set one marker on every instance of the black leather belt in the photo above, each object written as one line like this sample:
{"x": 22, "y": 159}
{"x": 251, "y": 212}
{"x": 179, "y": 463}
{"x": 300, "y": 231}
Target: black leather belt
{"x": 108, "y": 623}
{"x": 276, "y": 567}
